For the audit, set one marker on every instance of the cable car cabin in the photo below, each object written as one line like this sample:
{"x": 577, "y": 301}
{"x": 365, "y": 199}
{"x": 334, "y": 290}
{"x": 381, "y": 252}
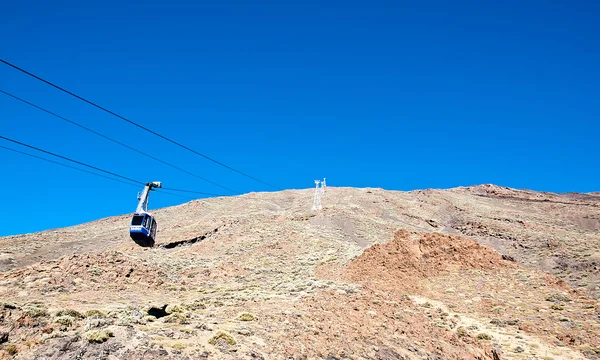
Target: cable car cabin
{"x": 143, "y": 226}
{"x": 143, "y": 229}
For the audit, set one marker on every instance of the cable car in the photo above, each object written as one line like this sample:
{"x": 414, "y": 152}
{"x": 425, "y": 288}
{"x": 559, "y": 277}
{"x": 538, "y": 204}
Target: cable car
{"x": 143, "y": 227}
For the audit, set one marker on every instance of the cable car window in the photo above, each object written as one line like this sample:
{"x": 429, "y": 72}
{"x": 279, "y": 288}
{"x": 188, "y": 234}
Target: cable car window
{"x": 137, "y": 220}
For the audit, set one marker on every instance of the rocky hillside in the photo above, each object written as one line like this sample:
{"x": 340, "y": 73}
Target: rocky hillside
{"x": 481, "y": 272}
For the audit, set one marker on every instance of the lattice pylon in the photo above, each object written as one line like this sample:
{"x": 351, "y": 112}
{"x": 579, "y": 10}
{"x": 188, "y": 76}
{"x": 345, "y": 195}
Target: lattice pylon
{"x": 317, "y": 197}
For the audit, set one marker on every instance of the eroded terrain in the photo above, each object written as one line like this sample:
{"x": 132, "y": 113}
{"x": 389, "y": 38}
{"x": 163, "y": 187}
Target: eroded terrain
{"x": 480, "y": 272}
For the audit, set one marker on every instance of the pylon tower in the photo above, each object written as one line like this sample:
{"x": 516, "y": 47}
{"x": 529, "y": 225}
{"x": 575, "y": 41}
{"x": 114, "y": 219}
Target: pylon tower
{"x": 317, "y": 198}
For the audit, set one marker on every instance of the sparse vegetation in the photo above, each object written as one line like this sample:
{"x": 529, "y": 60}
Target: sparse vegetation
{"x": 196, "y": 305}
{"x": 11, "y": 349}
{"x": 497, "y": 322}
{"x": 69, "y": 312}
{"x": 98, "y": 336}
{"x": 246, "y": 316}
{"x": 177, "y": 318}
{"x": 512, "y": 321}
{"x": 65, "y": 320}
{"x": 244, "y": 332}
{"x": 589, "y": 350}
{"x": 171, "y": 309}
{"x": 221, "y": 337}
{"x": 498, "y": 309}
{"x": 95, "y": 271}
{"x": 484, "y": 336}
{"x": 558, "y": 297}
{"x": 93, "y": 313}
{"x": 35, "y": 312}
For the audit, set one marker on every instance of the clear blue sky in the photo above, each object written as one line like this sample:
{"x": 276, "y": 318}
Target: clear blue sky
{"x": 391, "y": 94}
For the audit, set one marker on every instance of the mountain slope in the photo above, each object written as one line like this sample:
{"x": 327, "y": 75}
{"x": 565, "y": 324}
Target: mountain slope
{"x": 309, "y": 287}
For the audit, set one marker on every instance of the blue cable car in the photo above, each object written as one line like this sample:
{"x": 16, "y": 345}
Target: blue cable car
{"x": 143, "y": 226}
{"x": 143, "y": 229}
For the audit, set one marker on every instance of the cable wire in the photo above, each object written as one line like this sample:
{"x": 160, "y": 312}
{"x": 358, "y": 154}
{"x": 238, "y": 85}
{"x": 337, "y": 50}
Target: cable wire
{"x": 89, "y": 172}
{"x": 96, "y": 168}
{"x": 69, "y": 166}
{"x": 113, "y": 140}
{"x": 193, "y": 192}
{"x": 71, "y": 160}
{"x": 135, "y": 124}
{"x": 187, "y": 191}
{"x": 173, "y": 194}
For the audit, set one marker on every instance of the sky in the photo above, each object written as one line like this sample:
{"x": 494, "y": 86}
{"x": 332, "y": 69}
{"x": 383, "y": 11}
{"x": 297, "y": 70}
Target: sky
{"x": 391, "y": 94}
